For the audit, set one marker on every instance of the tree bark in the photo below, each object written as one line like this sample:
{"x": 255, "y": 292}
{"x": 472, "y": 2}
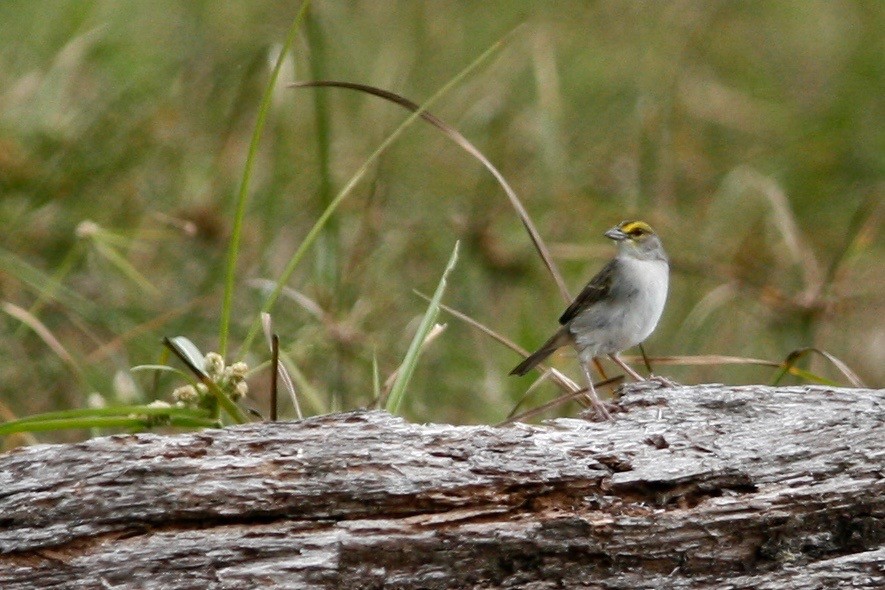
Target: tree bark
{"x": 689, "y": 487}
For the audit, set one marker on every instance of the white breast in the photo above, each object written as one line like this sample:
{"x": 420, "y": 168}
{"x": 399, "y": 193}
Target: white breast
{"x": 639, "y": 297}
{"x": 651, "y": 278}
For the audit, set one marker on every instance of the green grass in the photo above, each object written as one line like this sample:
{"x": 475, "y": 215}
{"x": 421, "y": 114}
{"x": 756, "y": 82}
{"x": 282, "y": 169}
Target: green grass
{"x": 739, "y": 130}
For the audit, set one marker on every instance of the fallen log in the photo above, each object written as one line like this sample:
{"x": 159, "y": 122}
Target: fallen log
{"x": 690, "y": 487}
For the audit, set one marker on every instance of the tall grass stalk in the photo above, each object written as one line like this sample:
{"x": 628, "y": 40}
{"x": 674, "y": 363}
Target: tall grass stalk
{"x": 137, "y": 416}
{"x": 327, "y": 252}
{"x": 242, "y": 198}
{"x": 314, "y": 232}
{"x": 407, "y": 368}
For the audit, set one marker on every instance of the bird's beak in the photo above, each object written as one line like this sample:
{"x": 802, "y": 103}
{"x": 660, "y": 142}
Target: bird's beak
{"x": 616, "y": 234}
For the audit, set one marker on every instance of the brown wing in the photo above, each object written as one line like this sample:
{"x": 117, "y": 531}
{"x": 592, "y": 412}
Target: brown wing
{"x": 596, "y": 289}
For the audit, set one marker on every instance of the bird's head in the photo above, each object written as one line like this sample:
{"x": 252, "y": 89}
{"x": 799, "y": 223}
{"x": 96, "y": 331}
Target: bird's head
{"x": 637, "y": 239}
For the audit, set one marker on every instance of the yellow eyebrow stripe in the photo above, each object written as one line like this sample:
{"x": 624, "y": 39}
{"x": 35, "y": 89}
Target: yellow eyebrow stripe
{"x": 631, "y": 226}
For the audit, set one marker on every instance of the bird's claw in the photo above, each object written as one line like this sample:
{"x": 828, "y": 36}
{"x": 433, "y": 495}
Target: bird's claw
{"x": 601, "y": 412}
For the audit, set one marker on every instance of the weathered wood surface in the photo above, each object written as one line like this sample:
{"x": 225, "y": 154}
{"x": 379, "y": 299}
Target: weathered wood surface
{"x": 690, "y": 487}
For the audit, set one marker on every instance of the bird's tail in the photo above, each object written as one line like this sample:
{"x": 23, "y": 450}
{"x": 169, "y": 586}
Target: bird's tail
{"x": 558, "y": 340}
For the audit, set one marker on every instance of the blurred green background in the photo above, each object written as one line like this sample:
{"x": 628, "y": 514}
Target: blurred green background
{"x": 749, "y": 133}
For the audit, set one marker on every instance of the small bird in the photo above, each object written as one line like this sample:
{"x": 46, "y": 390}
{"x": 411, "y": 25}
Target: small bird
{"x": 618, "y": 309}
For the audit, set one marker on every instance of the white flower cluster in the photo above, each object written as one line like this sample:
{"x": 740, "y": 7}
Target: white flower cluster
{"x": 229, "y": 378}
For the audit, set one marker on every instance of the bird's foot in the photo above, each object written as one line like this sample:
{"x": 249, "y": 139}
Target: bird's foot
{"x": 599, "y": 411}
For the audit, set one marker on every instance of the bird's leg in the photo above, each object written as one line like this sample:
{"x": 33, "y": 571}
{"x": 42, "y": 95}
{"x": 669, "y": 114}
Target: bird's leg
{"x": 626, "y": 367}
{"x": 599, "y": 368}
{"x": 594, "y": 399}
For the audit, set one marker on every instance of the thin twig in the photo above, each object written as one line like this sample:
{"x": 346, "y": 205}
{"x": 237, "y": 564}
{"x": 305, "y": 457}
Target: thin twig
{"x": 562, "y": 381}
{"x": 275, "y": 364}
{"x": 556, "y": 402}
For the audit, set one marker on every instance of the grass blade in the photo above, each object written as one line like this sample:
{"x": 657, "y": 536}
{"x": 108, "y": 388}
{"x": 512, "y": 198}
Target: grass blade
{"x": 376, "y": 378}
{"x": 302, "y": 385}
{"x": 435, "y": 332}
{"x": 48, "y": 288}
{"x": 140, "y": 416}
{"x": 189, "y": 354}
{"x": 328, "y": 249}
{"x": 126, "y": 268}
{"x": 703, "y": 360}
{"x": 39, "y": 328}
{"x": 236, "y": 234}
{"x": 398, "y": 391}
{"x": 789, "y": 364}
{"x": 786, "y": 366}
